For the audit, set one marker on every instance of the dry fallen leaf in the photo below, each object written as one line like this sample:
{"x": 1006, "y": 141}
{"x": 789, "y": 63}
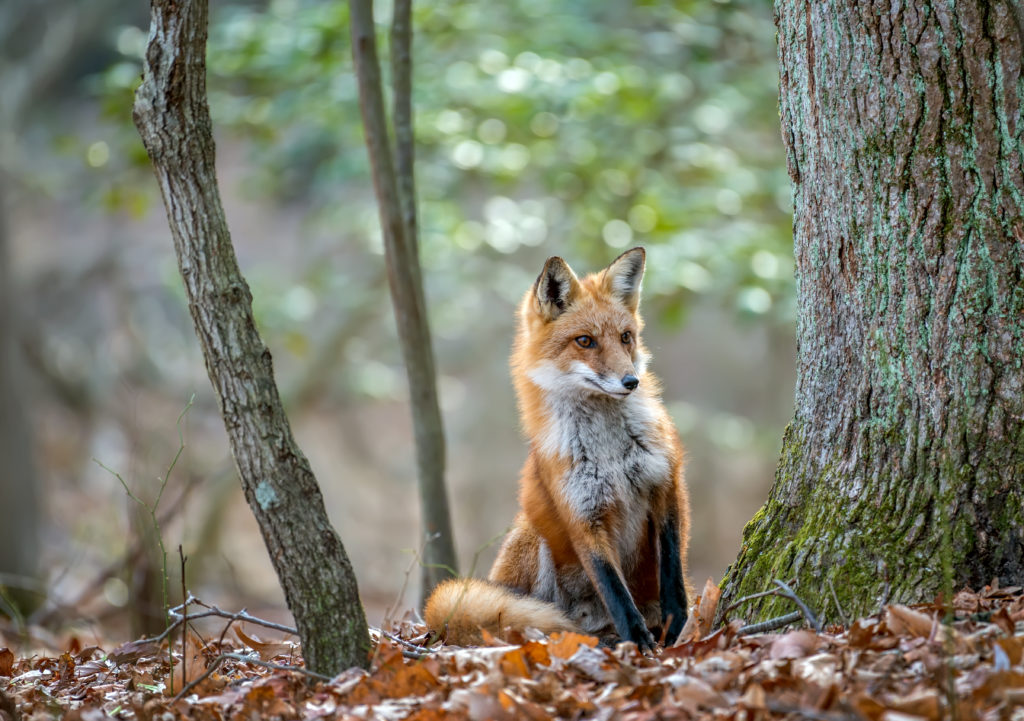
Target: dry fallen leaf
{"x": 190, "y": 667}
{"x": 702, "y": 616}
{"x": 795, "y": 644}
{"x": 754, "y": 697}
{"x": 6, "y": 662}
{"x": 266, "y": 649}
{"x": 923, "y": 703}
{"x": 896, "y": 668}
{"x": 133, "y": 651}
{"x": 902, "y": 619}
{"x": 565, "y": 644}
{"x": 708, "y": 607}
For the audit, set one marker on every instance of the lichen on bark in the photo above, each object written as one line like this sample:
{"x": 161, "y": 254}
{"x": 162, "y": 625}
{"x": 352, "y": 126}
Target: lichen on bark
{"x": 900, "y": 474}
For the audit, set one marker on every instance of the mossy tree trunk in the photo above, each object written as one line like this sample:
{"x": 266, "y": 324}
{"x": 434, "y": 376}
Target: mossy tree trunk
{"x": 902, "y": 472}
{"x": 173, "y": 118}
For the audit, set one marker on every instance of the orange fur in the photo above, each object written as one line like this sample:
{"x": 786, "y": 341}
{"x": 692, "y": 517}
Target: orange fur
{"x": 458, "y": 609}
{"x": 605, "y": 510}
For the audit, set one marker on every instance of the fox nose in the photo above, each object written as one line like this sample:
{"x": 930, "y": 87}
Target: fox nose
{"x": 630, "y": 381}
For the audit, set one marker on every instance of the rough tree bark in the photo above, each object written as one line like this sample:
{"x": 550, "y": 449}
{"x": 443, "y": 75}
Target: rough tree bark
{"x": 902, "y": 472}
{"x": 397, "y": 205}
{"x": 172, "y": 116}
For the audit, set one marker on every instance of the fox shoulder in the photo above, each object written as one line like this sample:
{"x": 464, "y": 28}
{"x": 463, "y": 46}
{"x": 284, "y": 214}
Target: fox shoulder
{"x": 459, "y": 608}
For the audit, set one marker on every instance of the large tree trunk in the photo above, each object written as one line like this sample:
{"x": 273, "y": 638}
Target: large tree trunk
{"x": 173, "y": 119}
{"x": 902, "y": 472}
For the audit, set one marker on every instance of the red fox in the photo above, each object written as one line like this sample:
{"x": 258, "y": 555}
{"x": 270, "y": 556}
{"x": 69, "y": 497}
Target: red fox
{"x": 600, "y": 543}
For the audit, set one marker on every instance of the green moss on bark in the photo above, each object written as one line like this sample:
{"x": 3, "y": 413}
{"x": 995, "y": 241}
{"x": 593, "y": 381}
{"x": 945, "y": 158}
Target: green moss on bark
{"x": 900, "y": 474}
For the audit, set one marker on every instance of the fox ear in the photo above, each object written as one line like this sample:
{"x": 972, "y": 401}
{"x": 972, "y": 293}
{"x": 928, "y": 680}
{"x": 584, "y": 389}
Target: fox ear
{"x": 622, "y": 278}
{"x": 555, "y": 289}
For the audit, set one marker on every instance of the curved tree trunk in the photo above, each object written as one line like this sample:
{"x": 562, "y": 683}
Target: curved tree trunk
{"x": 173, "y": 119}
{"x": 902, "y": 472}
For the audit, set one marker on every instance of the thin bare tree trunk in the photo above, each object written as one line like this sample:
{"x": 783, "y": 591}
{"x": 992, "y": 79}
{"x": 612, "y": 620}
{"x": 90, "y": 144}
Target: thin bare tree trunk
{"x": 172, "y": 116}
{"x": 398, "y": 223}
{"x": 902, "y": 472}
{"x": 19, "y": 493}
{"x": 65, "y": 29}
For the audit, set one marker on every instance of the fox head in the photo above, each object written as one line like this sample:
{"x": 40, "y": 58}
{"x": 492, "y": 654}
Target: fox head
{"x": 583, "y": 336}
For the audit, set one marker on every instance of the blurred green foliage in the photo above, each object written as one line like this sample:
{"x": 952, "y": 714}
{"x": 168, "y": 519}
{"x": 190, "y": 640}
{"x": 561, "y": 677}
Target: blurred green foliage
{"x": 543, "y": 127}
{"x": 584, "y": 127}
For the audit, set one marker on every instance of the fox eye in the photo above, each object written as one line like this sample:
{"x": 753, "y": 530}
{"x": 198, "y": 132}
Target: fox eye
{"x": 584, "y": 341}
{"x": 627, "y": 337}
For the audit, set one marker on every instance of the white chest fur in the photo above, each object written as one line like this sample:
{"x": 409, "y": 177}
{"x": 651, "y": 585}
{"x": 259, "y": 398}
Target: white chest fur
{"x": 615, "y": 453}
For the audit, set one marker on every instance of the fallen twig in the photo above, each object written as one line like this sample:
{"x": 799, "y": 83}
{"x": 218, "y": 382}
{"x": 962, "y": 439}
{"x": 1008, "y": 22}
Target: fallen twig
{"x": 839, "y": 609}
{"x": 246, "y": 659}
{"x": 213, "y": 611}
{"x": 227, "y": 627}
{"x": 403, "y": 642}
{"x": 735, "y": 604}
{"x": 770, "y": 625}
{"x": 791, "y": 595}
{"x": 184, "y": 622}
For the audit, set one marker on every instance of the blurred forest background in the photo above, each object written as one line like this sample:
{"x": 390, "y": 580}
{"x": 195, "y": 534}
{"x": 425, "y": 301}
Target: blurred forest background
{"x": 544, "y": 127}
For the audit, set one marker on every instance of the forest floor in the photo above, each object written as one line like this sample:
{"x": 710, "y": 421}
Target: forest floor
{"x": 901, "y": 664}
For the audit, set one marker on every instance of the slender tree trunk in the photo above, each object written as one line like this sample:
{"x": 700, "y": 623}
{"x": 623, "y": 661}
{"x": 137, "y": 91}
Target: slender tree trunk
{"x": 173, "y": 119}
{"x": 902, "y": 472}
{"x": 19, "y": 494}
{"x": 24, "y": 80}
{"x": 398, "y": 223}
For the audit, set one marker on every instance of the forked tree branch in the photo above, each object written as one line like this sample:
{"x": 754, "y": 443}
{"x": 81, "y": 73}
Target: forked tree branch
{"x": 404, "y": 279}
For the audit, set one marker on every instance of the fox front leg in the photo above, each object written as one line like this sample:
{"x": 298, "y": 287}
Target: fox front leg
{"x": 672, "y": 585}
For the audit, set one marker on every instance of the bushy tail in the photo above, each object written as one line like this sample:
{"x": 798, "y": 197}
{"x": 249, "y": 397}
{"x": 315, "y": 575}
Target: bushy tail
{"x": 459, "y": 608}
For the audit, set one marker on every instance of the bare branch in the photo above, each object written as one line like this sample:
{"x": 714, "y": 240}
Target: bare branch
{"x": 178, "y": 613}
{"x": 791, "y": 595}
{"x": 736, "y": 604}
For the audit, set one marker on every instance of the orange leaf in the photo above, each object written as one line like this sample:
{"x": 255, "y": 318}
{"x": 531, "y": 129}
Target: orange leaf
{"x": 925, "y": 703}
{"x": 513, "y": 664}
{"x": 707, "y": 607}
{"x": 1014, "y": 648}
{"x": 565, "y": 644}
{"x": 417, "y": 679}
{"x": 536, "y": 653}
{"x": 702, "y": 617}
{"x": 867, "y": 706}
